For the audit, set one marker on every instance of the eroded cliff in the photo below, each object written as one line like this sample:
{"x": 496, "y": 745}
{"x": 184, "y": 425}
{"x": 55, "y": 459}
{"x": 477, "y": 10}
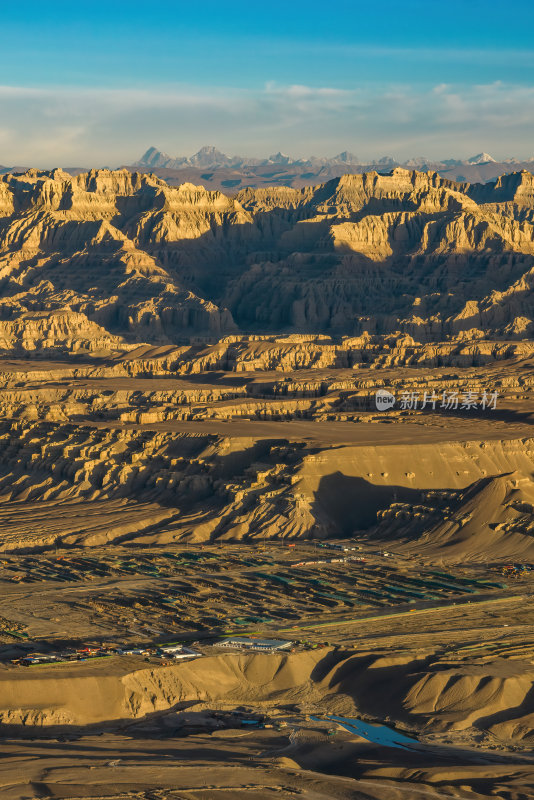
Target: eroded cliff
{"x": 101, "y": 261}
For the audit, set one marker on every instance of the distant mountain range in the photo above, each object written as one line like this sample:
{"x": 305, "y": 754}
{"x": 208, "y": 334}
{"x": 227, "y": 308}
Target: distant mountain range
{"x": 211, "y": 158}
{"x": 216, "y": 170}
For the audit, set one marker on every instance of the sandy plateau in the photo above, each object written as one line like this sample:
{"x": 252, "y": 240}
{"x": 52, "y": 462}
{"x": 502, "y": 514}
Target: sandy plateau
{"x": 190, "y": 450}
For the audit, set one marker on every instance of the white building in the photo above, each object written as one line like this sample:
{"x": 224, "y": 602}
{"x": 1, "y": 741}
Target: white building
{"x": 247, "y": 643}
{"x": 178, "y": 651}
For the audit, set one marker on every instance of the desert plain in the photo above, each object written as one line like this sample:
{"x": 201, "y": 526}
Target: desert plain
{"x": 191, "y": 452}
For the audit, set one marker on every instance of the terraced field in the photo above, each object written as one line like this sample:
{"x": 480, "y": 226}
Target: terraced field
{"x": 137, "y": 594}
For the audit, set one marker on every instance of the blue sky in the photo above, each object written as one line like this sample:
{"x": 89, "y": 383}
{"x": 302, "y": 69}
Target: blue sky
{"x": 97, "y": 83}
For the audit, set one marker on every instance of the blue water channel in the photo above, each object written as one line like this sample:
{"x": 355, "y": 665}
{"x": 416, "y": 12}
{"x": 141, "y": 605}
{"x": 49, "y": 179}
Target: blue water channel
{"x": 379, "y": 734}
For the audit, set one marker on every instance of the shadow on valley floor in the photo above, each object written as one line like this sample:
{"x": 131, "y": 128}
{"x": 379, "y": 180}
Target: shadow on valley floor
{"x": 377, "y": 691}
{"x": 216, "y": 378}
{"x": 351, "y": 503}
{"x": 509, "y": 713}
{"x": 512, "y": 416}
{"x": 128, "y": 740}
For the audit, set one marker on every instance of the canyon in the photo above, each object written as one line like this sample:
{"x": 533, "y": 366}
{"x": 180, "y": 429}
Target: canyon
{"x": 105, "y": 260}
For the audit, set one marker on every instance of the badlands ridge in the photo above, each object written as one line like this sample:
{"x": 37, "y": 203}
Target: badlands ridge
{"x": 104, "y": 260}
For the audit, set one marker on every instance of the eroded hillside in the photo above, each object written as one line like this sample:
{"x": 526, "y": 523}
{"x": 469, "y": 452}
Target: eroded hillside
{"x": 72, "y": 485}
{"x": 104, "y": 260}
{"x": 256, "y": 439}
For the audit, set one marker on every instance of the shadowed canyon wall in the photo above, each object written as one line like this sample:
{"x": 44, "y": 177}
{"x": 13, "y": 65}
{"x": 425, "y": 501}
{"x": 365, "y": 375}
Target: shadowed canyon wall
{"x": 101, "y": 261}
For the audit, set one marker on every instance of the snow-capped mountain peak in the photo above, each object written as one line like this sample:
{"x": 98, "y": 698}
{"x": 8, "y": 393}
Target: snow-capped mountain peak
{"x": 481, "y": 158}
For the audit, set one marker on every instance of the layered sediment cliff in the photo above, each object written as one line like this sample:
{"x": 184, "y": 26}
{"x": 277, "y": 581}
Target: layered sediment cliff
{"x": 86, "y": 486}
{"x": 100, "y": 261}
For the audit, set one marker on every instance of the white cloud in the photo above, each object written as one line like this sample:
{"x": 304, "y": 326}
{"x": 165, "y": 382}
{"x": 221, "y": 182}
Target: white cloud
{"x": 297, "y": 90}
{"x": 68, "y": 126}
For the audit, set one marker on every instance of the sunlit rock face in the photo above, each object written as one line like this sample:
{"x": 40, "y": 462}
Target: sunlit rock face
{"x": 105, "y": 260}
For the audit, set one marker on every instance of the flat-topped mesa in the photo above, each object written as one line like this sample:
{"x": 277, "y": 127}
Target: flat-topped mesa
{"x": 400, "y": 188}
{"x": 523, "y": 184}
{"x": 119, "y": 182}
{"x": 188, "y": 194}
{"x": 89, "y": 194}
{"x": 515, "y": 187}
{"x": 279, "y": 197}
